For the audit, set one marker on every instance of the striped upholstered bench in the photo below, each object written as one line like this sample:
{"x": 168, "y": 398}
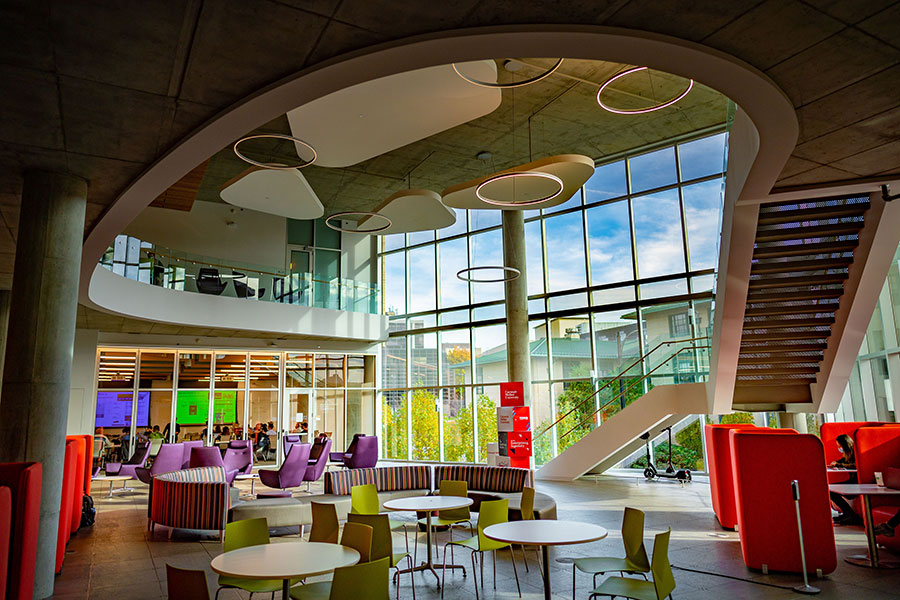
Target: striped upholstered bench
{"x": 386, "y": 479}
{"x": 491, "y": 483}
{"x": 191, "y": 499}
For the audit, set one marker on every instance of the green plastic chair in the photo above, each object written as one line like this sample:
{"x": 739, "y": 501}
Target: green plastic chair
{"x": 663, "y": 581}
{"x": 526, "y": 508}
{"x": 635, "y": 561}
{"x": 490, "y": 513}
{"x": 325, "y": 527}
{"x": 363, "y": 580}
{"x": 364, "y": 501}
{"x": 451, "y": 517}
{"x": 241, "y": 534}
{"x": 186, "y": 584}
{"x": 358, "y": 537}
{"x": 383, "y": 544}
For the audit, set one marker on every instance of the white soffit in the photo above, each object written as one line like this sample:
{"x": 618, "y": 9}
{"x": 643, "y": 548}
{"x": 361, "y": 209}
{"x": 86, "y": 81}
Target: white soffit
{"x": 371, "y": 118}
{"x": 413, "y": 210}
{"x": 283, "y": 192}
{"x": 573, "y": 169}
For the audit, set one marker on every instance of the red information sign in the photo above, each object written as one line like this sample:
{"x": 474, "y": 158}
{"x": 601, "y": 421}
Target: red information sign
{"x": 512, "y": 394}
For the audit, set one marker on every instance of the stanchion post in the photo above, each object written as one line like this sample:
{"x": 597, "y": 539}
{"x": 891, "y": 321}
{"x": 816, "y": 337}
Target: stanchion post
{"x": 805, "y": 588}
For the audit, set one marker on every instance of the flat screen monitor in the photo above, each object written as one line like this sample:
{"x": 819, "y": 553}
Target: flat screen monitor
{"x": 193, "y": 407}
{"x": 114, "y": 409}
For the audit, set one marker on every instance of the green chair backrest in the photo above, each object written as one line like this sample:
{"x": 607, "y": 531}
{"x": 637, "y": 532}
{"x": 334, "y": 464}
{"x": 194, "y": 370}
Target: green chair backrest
{"x": 449, "y": 487}
{"x": 490, "y": 513}
{"x": 324, "y": 523}
{"x": 248, "y": 532}
{"x": 364, "y": 499}
{"x": 663, "y": 580}
{"x": 382, "y": 542}
{"x": 358, "y": 537}
{"x": 186, "y": 584}
{"x": 362, "y": 580}
{"x": 633, "y": 538}
{"x": 526, "y": 506}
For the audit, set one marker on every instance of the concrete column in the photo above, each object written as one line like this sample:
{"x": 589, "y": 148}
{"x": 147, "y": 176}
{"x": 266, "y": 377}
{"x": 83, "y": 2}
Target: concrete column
{"x": 518, "y": 363}
{"x": 34, "y": 406}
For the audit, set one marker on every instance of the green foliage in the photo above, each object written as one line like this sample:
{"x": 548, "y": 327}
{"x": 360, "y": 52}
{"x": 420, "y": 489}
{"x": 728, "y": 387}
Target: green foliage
{"x": 690, "y": 439}
{"x": 682, "y": 458}
{"x": 425, "y": 421}
{"x": 736, "y": 418}
{"x": 812, "y": 425}
{"x": 394, "y": 424}
{"x": 487, "y": 424}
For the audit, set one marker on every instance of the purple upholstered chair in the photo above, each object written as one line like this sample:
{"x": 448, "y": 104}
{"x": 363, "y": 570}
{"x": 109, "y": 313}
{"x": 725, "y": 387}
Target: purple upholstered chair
{"x": 292, "y": 471}
{"x": 237, "y": 445}
{"x": 339, "y": 457}
{"x": 188, "y": 446}
{"x": 288, "y": 440}
{"x": 211, "y": 457}
{"x": 317, "y": 467}
{"x": 138, "y": 459}
{"x": 365, "y": 455}
{"x": 169, "y": 458}
{"x": 239, "y": 460}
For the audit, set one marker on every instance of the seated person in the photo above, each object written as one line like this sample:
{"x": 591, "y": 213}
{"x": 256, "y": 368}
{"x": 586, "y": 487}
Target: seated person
{"x": 155, "y": 434}
{"x": 846, "y": 461}
{"x": 262, "y": 445}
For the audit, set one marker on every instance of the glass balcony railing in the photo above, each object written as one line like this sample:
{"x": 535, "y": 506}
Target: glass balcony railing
{"x": 164, "y": 267}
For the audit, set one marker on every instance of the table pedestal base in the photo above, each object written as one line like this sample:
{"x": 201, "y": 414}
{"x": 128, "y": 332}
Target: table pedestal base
{"x": 431, "y": 567}
{"x": 120, "y": 490}
{"x": 863, "y": 560}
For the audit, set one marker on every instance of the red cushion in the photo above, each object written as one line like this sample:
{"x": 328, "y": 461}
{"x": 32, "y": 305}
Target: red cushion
{"x": 718, "y": 465}
{"x": 877, "y": 448}
{"x": 88, "y": 462}
{"x": 24, "y": 481}
{"x": 64, "y": 532}
{"x": 5, "y": 526}
{"x": 767, "y": 518}
{"x": 75, "y": 499}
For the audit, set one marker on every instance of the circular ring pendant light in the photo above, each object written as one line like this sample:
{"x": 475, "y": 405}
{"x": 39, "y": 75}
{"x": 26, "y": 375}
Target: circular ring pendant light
{"x": 519, "y": 175}
{"x": 276, "y": 136}
{"x": 339, "y": 215}
{"x": 512, "y": 84}
{"x": 509, "y": 274}
{"x": 637, "y": 111}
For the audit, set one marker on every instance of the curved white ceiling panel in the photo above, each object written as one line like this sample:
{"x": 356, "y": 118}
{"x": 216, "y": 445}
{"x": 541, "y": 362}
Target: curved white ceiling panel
{"x": 371, "y": 118}
{"x": 572, "y": 169}
{"x": 414, "y": 210}
{"x": 274, "y": 191}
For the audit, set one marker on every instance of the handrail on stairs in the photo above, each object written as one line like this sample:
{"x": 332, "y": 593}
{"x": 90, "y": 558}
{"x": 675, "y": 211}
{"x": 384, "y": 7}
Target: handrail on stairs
{"x": 621, "y": 375}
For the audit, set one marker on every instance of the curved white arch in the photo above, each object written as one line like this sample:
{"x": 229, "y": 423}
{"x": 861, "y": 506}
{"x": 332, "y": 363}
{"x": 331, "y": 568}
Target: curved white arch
{"x": 758, "y": 96}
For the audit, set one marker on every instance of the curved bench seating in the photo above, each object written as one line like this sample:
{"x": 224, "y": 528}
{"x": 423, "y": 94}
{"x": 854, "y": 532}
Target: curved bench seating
{"x": 191, "y": 499}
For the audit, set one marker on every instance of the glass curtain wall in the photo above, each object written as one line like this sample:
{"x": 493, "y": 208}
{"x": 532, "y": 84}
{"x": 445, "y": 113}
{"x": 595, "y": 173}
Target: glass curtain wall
{"x": 624, "y": 266}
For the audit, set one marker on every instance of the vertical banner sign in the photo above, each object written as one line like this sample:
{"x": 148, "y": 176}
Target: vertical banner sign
{"x": 514, "y": 427}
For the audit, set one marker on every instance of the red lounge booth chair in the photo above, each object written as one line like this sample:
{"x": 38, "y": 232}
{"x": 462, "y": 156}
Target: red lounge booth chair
{"x": 878, "y": 448}
{"x": 70, "y": 472}
{"x": 718, "y": 463}
{"x": 75, "y": 499}
{"x": 767, "y": 518}
{"x": 829, "y": 433}
{"x": 5, "y": 530}
{"x": 24, "y": 481}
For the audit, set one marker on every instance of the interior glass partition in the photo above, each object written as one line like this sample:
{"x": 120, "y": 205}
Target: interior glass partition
{"x": 228, "y": 397}
{"x": 192, "y": 398}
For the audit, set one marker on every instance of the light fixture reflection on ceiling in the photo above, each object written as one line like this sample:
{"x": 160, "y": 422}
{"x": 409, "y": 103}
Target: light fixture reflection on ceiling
{"x": 519, "y": 175}
{"x": 512, "y": 84}
{"x": 637, "y": 111}
{"x": 373, "y": 215}
{"x": 509, "y": 274}
{"x": 277, "y": 136}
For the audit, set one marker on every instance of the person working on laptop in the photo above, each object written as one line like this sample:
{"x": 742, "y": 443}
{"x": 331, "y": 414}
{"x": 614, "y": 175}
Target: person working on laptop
{"x": 847, "y": 461}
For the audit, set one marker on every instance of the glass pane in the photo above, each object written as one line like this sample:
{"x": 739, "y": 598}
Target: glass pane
{"x": 114, "y": 411}
{"x": 156, "y": 369}
{"x": 459, "y": 425}
{"x": 327, "y": 415}
{"x": 613, "y": 295}
{"x": 534, "y": 257}
{"x": 228, "y": 412}
{"x": 568, "y": 301}
{"x": 393, "y": 363}
{"x": 537, "y": 339}
{"x": 608, "y": 181}
{"x": 653, "y": 170}
{"x": 326, "y": 237}
{"x": 265, "y": 422}
{"x": 424, "y": 360}
{"x": 192, "y": 414}
{"x": 661, "y": 289}
{"x": 487, "y": 251}
{"x": 663, "y": 323}
{"x": 360, "y": 415}
{"x": 160, "y": 413}
{"x": 425, "y": 436}
{"x": 300, "y": 261}
{"x": 574, "y": 408}
{"x": 486, "y": 403}
{"x": 394, "y": 425}
{"x": 419, "y": 237}
{"x": 702, "y": 210}
{"x": 299, "y": 232}
{"x": 572, "y": 202}
{"x": 298, "y": 404}
{"x": 494, "y": 311}
{"x": 330, "y": 370}
{"x": 230, "y": 370}
{"x": 490, "y": 354}
{"x": 570, "y": 346}
{"x": 541, "y": 419}
{"x": 393, "y": 269}
{"x": 194, "y": 369}
{"x": 264, "y": 370}
{"x": 657, "y": 232}
{"x": 703, "y": 283}
{"x": 454, "y": 317}
{"x": 703, "y": 318}
{"x": 565, "y": 252}
{"x": 360, "y": 371}
{"x": 457, "y": 357}
{"x": 328, "y": 265}
{"x": 616, "y": 342}
{"x": 457, "y": 228}
{"x": 116, "y": 369}
{"x": 482, "y": 219}
{"x": 298, "y": 370}
{"x": 702, "y": 157}
{"x": 422, "y": 322}
{"x": 421, "y": 271}
{"x": 453, "y": 258}
{"x": 393, "y": 242}
{"x": 609, "y": 238}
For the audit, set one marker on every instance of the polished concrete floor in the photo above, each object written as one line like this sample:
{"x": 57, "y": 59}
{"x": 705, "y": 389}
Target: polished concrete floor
{"x": 118, "y": 559}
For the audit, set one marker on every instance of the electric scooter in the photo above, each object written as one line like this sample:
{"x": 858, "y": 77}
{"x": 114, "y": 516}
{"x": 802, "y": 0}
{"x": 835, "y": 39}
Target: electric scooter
{"x": 651, "y": 472}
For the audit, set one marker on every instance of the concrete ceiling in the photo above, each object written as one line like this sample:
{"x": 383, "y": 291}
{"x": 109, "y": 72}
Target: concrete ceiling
{"x": 102, "y": 90}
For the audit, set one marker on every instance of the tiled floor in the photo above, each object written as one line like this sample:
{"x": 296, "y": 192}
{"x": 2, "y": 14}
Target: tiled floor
{"x": 118, "y": 559}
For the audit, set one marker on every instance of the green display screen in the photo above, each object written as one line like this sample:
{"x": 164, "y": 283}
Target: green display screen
{"x": 193, "y": 406}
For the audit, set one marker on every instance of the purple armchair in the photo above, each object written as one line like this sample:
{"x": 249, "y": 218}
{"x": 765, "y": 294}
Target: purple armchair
{"x": 292, "y": 471}
{"x": 138, "y": 459}
{"x": 169, "y": 458}
{"x": 211, "y": 457}
{"x": 339, "y": 457}
{"x": 317, "y": 467}
{"x": 188, "y": 446}
{"x": 237, "y": 445}
{"x": 365, "y": 455}
{"x": 290, "y": 439}
{"x": 239, "y": 460}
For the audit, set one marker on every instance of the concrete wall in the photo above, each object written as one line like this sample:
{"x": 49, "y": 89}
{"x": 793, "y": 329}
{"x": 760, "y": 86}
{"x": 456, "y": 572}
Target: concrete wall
{"x": 82, "y": 389}
{"x": 358, "y": 256}
{"x": 253, "y": 237}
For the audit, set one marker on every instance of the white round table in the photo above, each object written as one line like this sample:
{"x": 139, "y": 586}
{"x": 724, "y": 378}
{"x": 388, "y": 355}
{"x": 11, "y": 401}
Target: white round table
{"x": 253, "y": 477}
{"x": 295, "y": 560}
{"x": 112, "y": 479}
{"x": 429, "y": 504}
{"x": 545, "y": 534}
